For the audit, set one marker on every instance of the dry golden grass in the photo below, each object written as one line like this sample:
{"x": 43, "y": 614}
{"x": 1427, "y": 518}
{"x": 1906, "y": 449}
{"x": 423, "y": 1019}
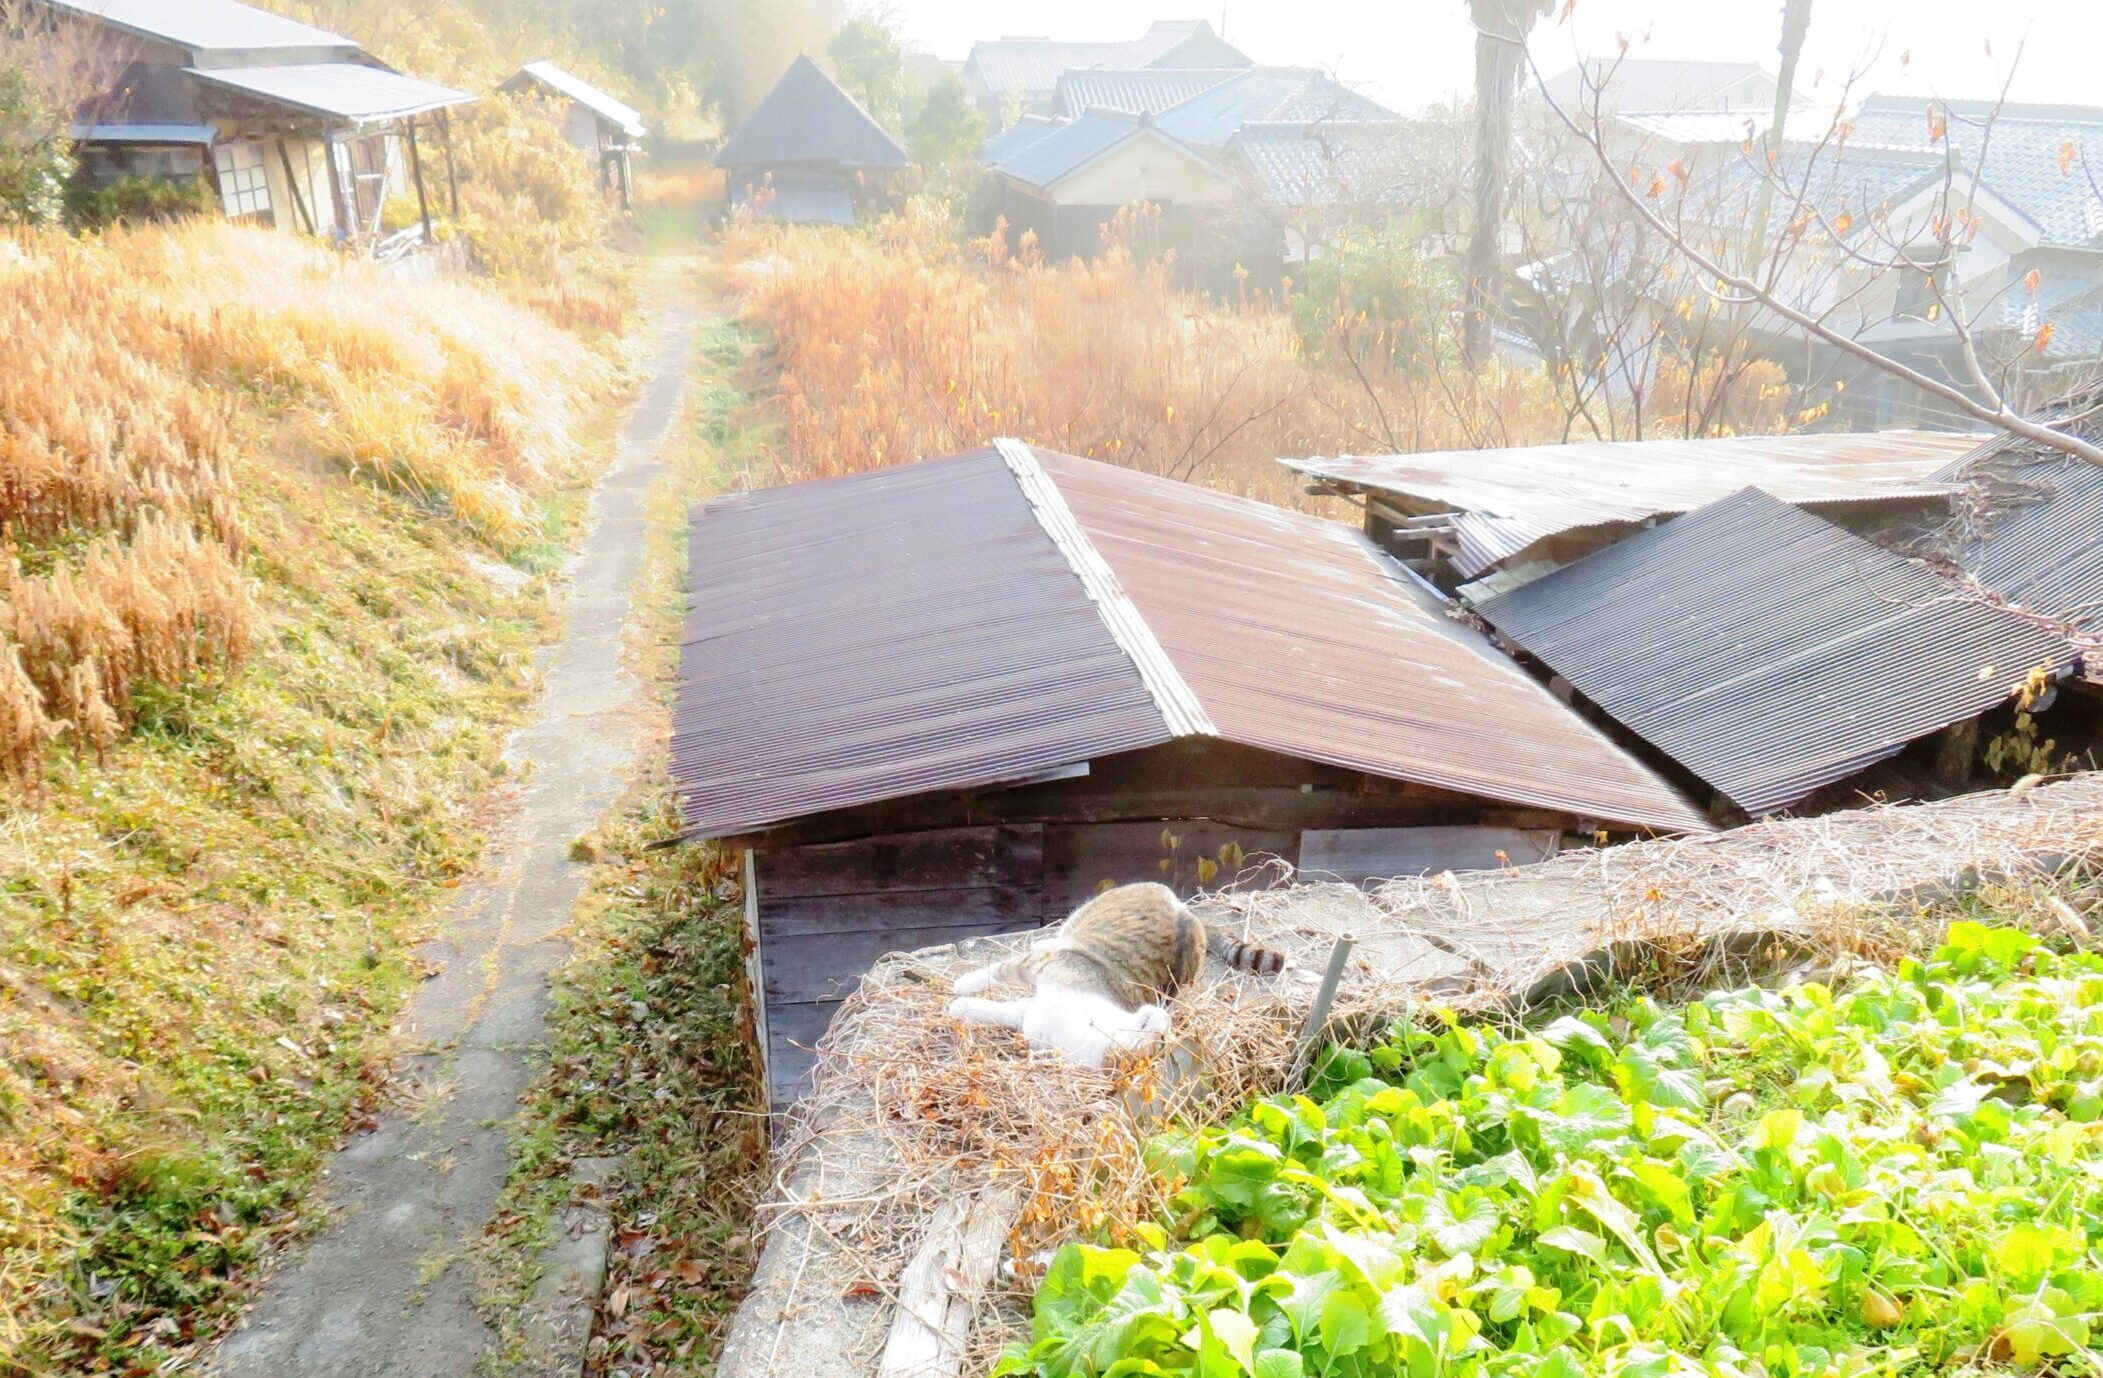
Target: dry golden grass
{"x": 897, "y": 345}
{"x": 133, "y": 367}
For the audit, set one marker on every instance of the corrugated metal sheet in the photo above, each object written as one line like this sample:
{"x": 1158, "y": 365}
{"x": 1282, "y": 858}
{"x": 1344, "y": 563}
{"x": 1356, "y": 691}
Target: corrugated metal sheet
{"x": 344, "y": 90}
{"x": 889, "y": 634}
{"x": 807, "y": 118}
{"x": 933, "y": 628}
{"x": 618, "y": 113}
{"x": 203, "y": 25}
{"x": 1767, "y": 651}
{"x": 1510, "y": 499}
{"x": 1298, "y": 637}
{"x": 2042, "y": 546}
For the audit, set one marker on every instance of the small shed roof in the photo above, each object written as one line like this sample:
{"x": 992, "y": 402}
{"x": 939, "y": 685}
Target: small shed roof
{"x": 618, "y": 113}
{"x": 206, "y": 25}
{"x": 342, "y": 90}
{"x": 990, "y": 617}
{"x": 1508, "y": 500}
{"x": 1768, "y": 651}
{"x": 807, "y": 118}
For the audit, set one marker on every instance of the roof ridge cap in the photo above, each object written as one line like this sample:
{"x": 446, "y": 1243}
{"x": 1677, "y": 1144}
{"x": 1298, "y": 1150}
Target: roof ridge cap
{"x": 1180, "y": 707}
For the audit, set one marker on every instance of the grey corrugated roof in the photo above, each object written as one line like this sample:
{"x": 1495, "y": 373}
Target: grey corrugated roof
{"x": 807, "y": 118}
{"x": 206, "y": 25}
{"x": 344, "y": 90}
{"x": 619, "y": 113}
{"x": 975, "y": 620}
{"x": 2021, "y": 153}
{"x": 2042, "y": 543}
{"x": 1767, "y": 651}
{"x": 1138, "y": 90}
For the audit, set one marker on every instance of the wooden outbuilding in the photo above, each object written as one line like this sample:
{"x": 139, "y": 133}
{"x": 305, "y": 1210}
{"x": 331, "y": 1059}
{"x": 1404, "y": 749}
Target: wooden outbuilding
{"x": 609, "y": 130}
{"x": 808, "y": 152}
{"x": 961, "y": 696}
{"x": 293, "y": 126}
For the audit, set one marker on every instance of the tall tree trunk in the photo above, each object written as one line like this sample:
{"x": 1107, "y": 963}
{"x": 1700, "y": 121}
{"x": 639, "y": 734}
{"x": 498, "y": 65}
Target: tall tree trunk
{"x": 1796, "y": 22}
{"x": 1500, "y": 32}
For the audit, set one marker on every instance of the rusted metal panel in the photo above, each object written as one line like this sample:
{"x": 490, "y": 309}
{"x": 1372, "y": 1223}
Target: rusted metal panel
{"x": 1298, "y": 636}
{"x": 1508, "y": 500}
{"x": 1768, "y": 651}
{"x": 977, "y": 621}
{"x": 889, "y": 634}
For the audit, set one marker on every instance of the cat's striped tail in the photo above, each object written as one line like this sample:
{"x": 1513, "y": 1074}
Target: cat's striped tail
{"x": 1245, "y": 956}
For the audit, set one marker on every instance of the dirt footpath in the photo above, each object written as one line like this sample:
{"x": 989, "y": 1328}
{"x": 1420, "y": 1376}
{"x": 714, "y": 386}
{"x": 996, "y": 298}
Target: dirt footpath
{"x": 386, "y": 1287}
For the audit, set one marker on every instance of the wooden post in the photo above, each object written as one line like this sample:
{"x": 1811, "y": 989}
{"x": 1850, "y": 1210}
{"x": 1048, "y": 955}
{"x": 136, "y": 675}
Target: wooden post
{"x": 299, "y": 201}
{"x": 416, "y": 170}
{"x": 939, "y": 1291}
{"x": 343, "y": 214}
{"x": 452, "y": 180}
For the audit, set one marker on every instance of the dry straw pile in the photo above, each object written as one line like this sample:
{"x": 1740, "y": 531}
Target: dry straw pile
{"x": 912, "y": 1110}
{"x": 140, "y": 371}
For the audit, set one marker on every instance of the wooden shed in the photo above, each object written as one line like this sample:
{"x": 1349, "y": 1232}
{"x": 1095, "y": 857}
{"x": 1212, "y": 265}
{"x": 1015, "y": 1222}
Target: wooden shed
{"x": 960, "y": 696}
{"x": 808, "y": 152}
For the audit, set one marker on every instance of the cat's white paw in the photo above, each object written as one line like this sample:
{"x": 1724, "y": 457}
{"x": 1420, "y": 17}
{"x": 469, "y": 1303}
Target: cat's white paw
{"x": 972, "y": 982}
{"x": 1150, "y": 1019}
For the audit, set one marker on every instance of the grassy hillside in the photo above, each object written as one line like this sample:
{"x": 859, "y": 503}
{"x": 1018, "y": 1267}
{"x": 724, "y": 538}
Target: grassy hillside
{"x": 280, "y": 538}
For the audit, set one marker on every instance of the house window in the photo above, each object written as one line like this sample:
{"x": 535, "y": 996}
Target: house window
{"x": 244, "y": 189}
{"x": 1917, "y": 296}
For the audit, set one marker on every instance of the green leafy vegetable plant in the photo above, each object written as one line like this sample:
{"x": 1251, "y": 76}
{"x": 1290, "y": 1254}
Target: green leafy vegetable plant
{"x": 1905, "y": 1177}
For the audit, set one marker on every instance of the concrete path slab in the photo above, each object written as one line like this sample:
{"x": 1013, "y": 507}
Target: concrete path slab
{"x": 385, "y": 1288}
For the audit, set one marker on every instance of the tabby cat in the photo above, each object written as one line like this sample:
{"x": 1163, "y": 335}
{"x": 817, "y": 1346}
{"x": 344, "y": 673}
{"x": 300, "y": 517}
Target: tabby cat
{"x": 1096, "y": 983}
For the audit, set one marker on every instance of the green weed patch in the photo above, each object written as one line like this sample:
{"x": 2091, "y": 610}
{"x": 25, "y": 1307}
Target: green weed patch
{"x": 1904, "y": 1177}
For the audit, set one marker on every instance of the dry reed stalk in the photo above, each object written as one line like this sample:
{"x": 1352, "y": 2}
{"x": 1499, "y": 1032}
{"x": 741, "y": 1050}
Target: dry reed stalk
{"x": 136, "y": 368}
{"x": 899, "y": 344}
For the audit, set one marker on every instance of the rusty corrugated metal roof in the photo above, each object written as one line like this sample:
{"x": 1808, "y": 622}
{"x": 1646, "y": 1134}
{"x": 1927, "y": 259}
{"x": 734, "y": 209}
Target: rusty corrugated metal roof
{"x": 1298, "y": 636}
{"x": 1510, "y": 499}
{"x": 1768, "y": 651}
{"x": 980, "y": 619}
{"x": 901, "y": 632}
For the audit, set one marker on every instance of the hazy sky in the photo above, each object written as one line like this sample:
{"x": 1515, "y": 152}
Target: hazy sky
{"x": 1410, "y": 53}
